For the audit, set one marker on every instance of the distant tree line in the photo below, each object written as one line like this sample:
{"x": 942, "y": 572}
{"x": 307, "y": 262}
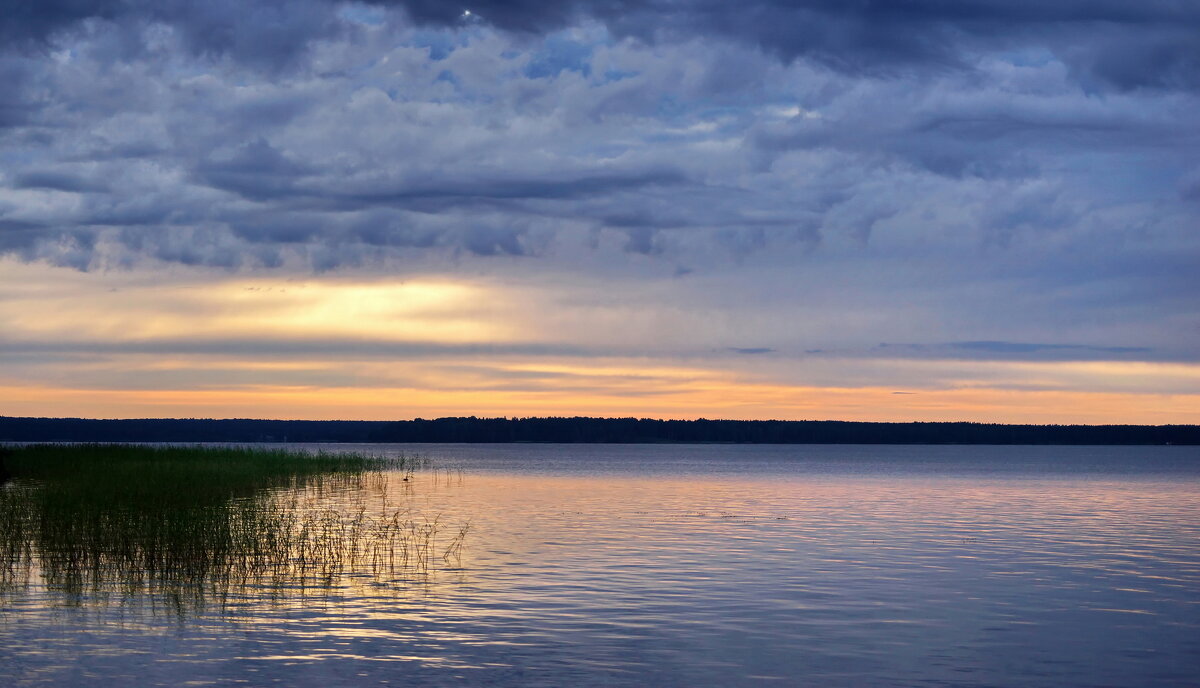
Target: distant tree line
{"x": 582, "y": 430}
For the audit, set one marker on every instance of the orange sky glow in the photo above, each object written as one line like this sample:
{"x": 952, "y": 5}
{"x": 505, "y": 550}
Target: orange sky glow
{"x": 119, "y": 345}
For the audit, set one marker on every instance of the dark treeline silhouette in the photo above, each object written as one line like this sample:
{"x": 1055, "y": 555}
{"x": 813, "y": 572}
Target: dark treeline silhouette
{"x": 578, "y": 430}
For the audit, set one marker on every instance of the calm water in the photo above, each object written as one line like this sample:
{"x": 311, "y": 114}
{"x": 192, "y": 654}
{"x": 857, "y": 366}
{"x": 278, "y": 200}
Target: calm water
{"x": 705, "y": 565}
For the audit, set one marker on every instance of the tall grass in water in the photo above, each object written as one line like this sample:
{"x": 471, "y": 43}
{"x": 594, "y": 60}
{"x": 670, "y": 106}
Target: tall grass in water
{"x": 187, "y": 525}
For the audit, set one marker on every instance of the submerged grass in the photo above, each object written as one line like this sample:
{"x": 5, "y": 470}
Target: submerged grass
{"x": 166, "y": 473}
{"x": 192, "y": 524}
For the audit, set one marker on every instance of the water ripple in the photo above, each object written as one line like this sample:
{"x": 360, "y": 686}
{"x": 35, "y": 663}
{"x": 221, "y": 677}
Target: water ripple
{"x": 619, "y": 576}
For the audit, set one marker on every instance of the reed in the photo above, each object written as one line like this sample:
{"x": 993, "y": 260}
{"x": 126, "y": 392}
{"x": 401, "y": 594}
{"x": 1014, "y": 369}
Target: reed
{"x": 189, "y": 525}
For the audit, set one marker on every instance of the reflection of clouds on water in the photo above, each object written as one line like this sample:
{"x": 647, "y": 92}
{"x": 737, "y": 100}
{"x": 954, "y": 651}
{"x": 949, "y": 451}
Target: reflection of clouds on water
{"x": 842, "y": 566}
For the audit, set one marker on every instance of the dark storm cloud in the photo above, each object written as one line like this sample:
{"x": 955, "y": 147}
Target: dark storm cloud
{"x": 1127, "y": 45}
{"x": 262, "y": 179}
{"x": 257, "y": 171}
{"x": 260, "y": 172}
{"x": 517, "y": 188}
{"x": 266, "y": 33}
{"x": 23, "y": 23}
{"x": 59, "y": 181}
{"x": 1153, "y": 44}
{"x": 17, "y": 105}
{"x": 902, "y": 164}
{"x": 20, "y": 238}
{"x": 989, "y": 134}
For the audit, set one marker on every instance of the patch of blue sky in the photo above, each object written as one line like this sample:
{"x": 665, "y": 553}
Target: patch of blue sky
{"x": 671, "y": 107}
{"x": 449, "y": 77}
{"x": 439, "y": 43}
{"x": 359, "y": 13}
{"x": 690, "y": 120}
{"x": 557, "y": 54}
{"x": 463, "y": 93}
{"x": 612, "y": 75}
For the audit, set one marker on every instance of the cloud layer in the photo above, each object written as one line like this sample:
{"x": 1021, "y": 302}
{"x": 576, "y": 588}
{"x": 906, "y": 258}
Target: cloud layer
{"x": 751, "y": 183}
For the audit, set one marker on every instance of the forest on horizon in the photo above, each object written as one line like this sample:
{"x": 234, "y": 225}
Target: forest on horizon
{"x": 583, "y": 430}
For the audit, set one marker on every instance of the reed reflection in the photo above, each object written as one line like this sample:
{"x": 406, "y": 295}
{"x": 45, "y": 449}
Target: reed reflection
{"x": 182, "y": 528}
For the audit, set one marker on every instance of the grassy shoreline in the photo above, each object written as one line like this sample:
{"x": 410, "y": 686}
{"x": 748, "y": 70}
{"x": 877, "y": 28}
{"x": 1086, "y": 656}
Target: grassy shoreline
{"x": 194, "y": 523}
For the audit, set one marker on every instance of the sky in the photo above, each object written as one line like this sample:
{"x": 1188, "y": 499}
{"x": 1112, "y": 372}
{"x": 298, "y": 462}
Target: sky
{"x": 982, "y": 210}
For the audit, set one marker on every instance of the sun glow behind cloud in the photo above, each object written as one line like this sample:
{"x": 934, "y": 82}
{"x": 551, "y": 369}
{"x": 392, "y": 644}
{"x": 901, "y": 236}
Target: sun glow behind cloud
{"x": 410, "y": 310}
{"x": 413, "y": 310}
{"x": 122, "y": 345}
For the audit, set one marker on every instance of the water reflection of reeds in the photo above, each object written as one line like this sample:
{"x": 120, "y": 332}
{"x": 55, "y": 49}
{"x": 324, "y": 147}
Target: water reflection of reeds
{"x": 189, "y": 526}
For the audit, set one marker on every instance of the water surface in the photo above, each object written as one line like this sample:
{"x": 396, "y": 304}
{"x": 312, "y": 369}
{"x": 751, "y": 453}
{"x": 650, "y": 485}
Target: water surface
{"x": 705, "y": 565}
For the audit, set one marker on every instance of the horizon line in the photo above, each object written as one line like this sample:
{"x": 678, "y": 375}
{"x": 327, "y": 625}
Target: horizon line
{"x": 606, "y": 418}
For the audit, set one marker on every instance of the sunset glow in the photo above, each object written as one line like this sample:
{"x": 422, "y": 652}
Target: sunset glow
{"x": 362, "y": 210}
{"x": 110, "y": 345}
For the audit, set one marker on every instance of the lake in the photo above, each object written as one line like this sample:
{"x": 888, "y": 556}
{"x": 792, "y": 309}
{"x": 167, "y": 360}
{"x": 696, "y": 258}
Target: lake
{"x": 691, "y": 565}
